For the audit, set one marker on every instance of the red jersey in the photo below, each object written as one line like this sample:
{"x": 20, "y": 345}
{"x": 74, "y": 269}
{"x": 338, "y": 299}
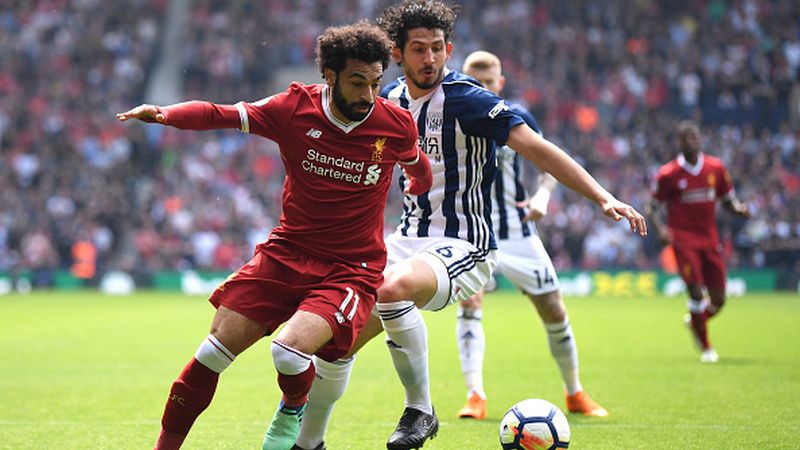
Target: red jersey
{"x": 690, "y": 194}
{"x": 337, "y": 175}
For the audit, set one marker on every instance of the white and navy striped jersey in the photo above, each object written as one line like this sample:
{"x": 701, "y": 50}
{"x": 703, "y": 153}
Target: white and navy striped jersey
{"x": 509, "y": 188}
{"x": 460, "y": 125}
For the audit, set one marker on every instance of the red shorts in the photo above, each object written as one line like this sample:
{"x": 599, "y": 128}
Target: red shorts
{"x": 279, "y": 280}
{"x": 701, "y": 266}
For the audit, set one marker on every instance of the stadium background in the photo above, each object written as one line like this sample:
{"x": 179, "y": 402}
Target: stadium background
{"x": 85, "y": 199}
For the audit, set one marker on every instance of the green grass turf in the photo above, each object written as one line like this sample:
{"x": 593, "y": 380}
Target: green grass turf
{"x": 86, "y": 371}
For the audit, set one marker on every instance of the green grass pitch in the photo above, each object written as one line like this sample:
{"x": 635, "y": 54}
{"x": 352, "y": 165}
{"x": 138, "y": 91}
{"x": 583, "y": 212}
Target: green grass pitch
{"x": 87, "y": 371}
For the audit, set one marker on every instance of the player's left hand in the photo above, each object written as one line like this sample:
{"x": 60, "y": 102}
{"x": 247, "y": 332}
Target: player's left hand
{"x": 420, "y": 175}
{"x": 419, "y": 184}
{"x": 618, "y": 210}
{"x": 743, "y": 210}
{"x": 534, "y": 214}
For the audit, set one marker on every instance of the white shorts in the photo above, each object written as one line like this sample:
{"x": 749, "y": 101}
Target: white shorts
{"x": 461, "y": 268}
{"x": 527, "y": 265}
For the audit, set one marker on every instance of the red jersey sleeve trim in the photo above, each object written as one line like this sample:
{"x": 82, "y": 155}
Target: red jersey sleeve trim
{"x": 412, "y": 162}
{"x": 243, "y": 119}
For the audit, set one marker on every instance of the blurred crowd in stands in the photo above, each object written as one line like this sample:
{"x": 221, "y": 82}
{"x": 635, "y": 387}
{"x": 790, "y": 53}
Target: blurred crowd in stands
{"x": 607, "y": 79}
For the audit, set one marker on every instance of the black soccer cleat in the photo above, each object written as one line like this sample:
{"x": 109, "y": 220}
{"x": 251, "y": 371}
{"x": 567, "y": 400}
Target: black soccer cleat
{"x": 414, "y": 428}
{"x": 321, "y": 446}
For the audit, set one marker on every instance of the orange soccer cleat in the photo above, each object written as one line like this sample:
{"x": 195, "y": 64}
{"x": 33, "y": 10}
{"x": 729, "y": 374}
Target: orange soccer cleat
{"x": 475, "y": 408}
{"x": 582, "y": 403}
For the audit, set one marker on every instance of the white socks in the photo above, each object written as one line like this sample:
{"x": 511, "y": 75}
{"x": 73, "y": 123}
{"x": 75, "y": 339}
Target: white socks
{"x": 565, "y": 351}
{"x": 471, "y": 348}
{"x": 214, "y": 355}
{"x": 328, "y": 387}
{"x": 407, "y": 339}
{"x": 288, "y": 360}
{"x": 697, "y": 306}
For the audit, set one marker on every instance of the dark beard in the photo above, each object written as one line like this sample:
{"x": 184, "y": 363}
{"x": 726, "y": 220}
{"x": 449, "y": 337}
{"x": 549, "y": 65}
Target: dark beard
{"x": 347, "y": 109}
{"x": 432, "y": 84}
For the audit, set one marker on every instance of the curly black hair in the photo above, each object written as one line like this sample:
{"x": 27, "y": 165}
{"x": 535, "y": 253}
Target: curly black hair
{"x": 434, "y": 15}
{"x": 362, "y": 41}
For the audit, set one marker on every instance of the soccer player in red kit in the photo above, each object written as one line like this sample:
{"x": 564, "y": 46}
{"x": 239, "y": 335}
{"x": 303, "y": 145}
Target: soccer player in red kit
{"x": 690, "y": 186}
{"x": 320, "y": 268}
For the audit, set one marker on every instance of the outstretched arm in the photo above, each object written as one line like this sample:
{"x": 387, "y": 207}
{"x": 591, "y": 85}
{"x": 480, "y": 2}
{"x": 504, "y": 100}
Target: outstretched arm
{"x": 193, "y": 115}
{"x": 420, "y": 174}
{"x": 555, "y": 161}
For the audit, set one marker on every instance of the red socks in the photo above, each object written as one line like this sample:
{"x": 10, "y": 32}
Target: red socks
{"x": 190, "y": 395}
{"x": 700, "y": 329}
{"x": 295, "y": 387}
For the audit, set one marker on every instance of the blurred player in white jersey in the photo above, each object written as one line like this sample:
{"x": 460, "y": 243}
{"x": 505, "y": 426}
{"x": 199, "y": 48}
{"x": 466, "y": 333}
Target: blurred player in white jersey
{"x": 443, "y": 250}
{"x": 523, "y": 259}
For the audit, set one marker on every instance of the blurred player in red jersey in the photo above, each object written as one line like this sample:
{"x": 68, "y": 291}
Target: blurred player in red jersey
{"x": 690, "y": 186}
{"x": 320, "y": 268}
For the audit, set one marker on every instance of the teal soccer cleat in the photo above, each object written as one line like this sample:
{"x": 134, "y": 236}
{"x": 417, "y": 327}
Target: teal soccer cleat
{"x": 285, "y": 426}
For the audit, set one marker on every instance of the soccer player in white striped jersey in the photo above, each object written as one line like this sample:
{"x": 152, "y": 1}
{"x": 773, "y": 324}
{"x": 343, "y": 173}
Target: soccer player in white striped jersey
{"x": 443, "y": 250}
{"x": 523, "y": 259}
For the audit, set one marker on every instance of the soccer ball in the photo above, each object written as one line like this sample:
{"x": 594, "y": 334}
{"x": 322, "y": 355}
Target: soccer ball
{"x": 534, "y": 424}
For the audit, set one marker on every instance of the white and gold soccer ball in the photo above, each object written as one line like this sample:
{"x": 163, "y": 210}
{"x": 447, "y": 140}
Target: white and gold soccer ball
{"x": 534, "y": 424}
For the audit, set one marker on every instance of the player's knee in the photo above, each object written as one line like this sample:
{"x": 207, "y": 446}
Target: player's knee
{"x": 717, "y": 298}
{"x": 413, "y": 279}
{"x": 553, "y": 314}
{"x": 289, "y": 361}
{"x": 396, "y": 286}
{"x": 550, "y": 307}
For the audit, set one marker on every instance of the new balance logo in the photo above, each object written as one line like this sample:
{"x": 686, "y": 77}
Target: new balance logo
{"x": 314, "y": 133}
{"x": 391, "y": 344}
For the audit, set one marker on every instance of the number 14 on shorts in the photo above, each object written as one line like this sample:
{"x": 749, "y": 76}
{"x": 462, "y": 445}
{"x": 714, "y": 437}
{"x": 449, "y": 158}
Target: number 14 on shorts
{"x": 543, "y": 277}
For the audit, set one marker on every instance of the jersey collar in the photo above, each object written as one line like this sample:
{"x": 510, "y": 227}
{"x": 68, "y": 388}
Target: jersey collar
{"x": 346, "y": 127}
{"x": 692, "y": 169}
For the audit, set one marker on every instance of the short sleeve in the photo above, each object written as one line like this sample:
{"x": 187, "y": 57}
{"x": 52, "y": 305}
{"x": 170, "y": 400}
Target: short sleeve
{"x": 658, "y": 187}
{"x": 724, "y": 185}
{"x": 482, "y": 113}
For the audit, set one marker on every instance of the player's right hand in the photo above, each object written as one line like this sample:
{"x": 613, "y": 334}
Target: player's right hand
{"x": 618, "y": 210}
{"x": 145, "y": 113}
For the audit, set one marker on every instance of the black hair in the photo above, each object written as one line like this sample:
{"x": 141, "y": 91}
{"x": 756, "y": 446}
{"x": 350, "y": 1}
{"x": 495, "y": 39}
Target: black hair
{"x": 433, "y": 15}
{"x": 688, "y": 126}
{"x": 361, "y": 41}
